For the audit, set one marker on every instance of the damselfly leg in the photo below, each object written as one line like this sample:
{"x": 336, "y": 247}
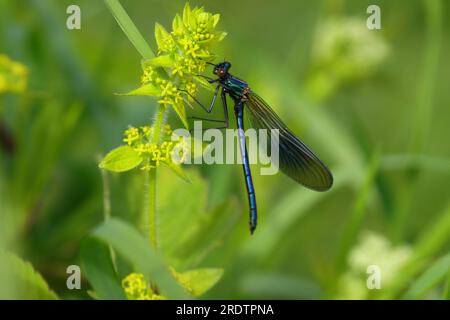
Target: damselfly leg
{"x": 211, "y": 107}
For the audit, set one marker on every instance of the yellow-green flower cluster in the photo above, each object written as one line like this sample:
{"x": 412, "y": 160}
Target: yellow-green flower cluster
{"x": 13, "y": 75}
{"x": 141, "y": 140}
{"x": 137, "y": 288}
{"x": 183, "y": 53}
{"x": 372, "y": 250}
{"x": 344, "y": 50}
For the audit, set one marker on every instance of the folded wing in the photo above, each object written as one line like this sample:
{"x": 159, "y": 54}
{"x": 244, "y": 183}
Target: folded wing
{"x": 295, "y": 159}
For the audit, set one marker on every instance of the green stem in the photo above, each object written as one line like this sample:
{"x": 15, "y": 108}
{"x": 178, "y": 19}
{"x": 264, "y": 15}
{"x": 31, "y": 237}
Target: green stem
{"x": 151, "y": 210}
{"x": 446, "y": 295}
{"x": 107, "y": 210}
{"x": 424, "y": 109}
{"x": 358, "y": 213}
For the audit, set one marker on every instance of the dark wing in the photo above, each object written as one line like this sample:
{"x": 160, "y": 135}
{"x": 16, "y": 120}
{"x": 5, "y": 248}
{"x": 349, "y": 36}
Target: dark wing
{"x": 295, "y": 159}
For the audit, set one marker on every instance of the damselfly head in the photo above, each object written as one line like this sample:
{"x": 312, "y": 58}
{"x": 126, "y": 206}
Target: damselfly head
{"x": 222, "y": 68}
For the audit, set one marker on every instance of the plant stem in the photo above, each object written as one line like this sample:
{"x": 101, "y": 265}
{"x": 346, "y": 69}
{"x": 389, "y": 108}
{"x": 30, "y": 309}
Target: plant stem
{"x": 151, "y": 210}
{"x": 107, "y": 210}
{"x": 358, "y": 212}
{"x": 424, "y": 110}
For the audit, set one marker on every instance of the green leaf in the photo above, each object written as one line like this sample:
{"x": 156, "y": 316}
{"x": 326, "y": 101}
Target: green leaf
{"x": 129, "y": 243}
{"x": 19, "y": 280}
{"x": 177, "y": 23}
{"x": 216, "y": 18}
{"x": 165, "y": 61}
{"x": 176, "y": 168}
{"x": 222, "y": 36}
{"x": 359, "y": 210}
{"x": 201, "y": 280}
{"x": 144, "y": 90}
{"x": 161, "y": 35}
{"x": 430, "y": 278}
{"x": 129, "y": 28}
{"x": 99, "y": 270}
{"x": 188, "y": 230}
{"x": 121, "y": 159}
{"x": 186, "y": 14}
{"x": 181, "y": 112}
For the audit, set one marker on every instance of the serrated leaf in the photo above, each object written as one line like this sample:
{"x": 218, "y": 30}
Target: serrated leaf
{"x": 19, "y": 280}
{"x": 201, "y": 280}
{"x": 144, "y": 90}
{"x": 121, "y": 159}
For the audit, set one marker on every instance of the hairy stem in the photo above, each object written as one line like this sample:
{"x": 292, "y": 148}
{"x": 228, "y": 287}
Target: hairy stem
{"x": 150, "y": 214}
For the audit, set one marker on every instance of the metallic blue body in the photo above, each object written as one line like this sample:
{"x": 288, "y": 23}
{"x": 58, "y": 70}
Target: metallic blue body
{"x": 237, "y": 89}
{"x": 296, "y": 159}
{"x": 239, "y": 112}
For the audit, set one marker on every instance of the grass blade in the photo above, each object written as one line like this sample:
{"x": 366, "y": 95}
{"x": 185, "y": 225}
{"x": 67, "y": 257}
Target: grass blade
{"x": 130, "y": 29}
{"x": 429, "y": 278}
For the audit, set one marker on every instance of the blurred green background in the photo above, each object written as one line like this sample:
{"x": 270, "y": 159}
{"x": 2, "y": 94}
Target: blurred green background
{"x": 372, "y": 103}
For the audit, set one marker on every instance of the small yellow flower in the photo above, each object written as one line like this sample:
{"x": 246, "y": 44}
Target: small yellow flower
{"x": 136, "y": 288}
{"x": 192, "y": 88}
{"x": 168, "y": 89}
{"x": 166, "y": 148}
{"x": 157, "y": 158}
{"x": 166, "y": 101}
{"x": 148, "y": 75}
{"x": 140, "y": 139}
{"x": 147, "y": 167}
{"x": 131, "y": 135}
{"x": 13, "y": 75}
{"x": 146, "y": 130}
